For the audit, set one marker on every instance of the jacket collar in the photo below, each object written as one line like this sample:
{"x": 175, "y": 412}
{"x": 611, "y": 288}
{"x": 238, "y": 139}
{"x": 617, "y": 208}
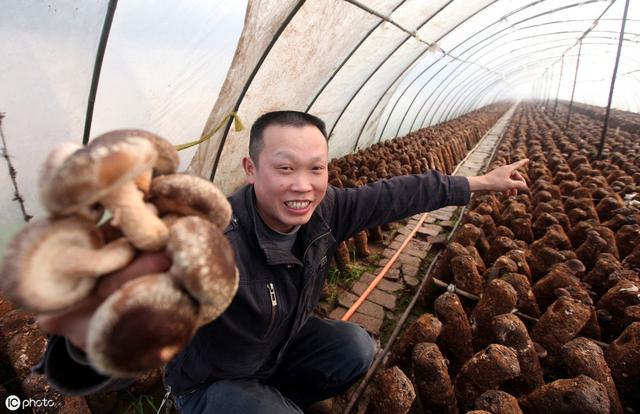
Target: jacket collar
{"x": 308, "y": 233}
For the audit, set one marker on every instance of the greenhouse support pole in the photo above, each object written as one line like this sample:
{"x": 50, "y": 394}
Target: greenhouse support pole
{"x": 613, "y": 80}
{"x": 97, "y": 67}
{"x": 547, "y": 93}
{"x": 573, "y": 91}
{"x": 555, "y": 105}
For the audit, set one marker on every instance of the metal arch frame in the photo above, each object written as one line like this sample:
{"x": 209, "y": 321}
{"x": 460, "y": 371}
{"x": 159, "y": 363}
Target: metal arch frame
{"x": 613, "y": 79}
{"x": 354, "y": 50}
{"x": 573, "y": 90}
{"x": 419, "y": 75}
{"x": 411, "y": 64}
{"x": 253, "y": 74}
{"x": 500, "y": 67}
{"x": 466, "y": 93}
{"x": 408, "y": 67}
{"x": 509, "y": 69}
{"x": 480, "y": 91}
{"x": 422, "y": 88}
{"x": 484, "y": 44}
{"x": 97, "y": 68}
{"x": 465, "y": 41}
{"x": 382, "y": 62}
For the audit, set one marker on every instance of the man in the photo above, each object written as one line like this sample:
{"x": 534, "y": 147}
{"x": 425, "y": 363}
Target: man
{"x": 267, "y": 353}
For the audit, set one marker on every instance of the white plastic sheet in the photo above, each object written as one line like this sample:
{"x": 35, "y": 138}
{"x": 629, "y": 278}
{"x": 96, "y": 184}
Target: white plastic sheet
{"x": 372, "y": 70}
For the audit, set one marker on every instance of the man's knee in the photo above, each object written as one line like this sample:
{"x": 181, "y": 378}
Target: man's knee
{"x": 359, "y": 348}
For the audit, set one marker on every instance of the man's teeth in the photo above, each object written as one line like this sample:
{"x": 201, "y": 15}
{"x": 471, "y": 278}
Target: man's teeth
{"x": 297, "y": 204}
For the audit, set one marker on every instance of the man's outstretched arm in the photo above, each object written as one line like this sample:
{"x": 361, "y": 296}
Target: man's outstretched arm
{"x": 384, "y": 201}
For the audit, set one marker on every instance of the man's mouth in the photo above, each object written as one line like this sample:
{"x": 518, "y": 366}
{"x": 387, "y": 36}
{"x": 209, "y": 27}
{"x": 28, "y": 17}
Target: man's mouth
{"x": 297, "y": 205}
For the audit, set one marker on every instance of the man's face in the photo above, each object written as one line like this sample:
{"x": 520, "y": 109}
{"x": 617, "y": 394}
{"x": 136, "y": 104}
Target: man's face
{"x": 290, "y": 178}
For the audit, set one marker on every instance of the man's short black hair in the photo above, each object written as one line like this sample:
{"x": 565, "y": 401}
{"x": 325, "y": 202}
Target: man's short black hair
{"x": 287, "y": 118}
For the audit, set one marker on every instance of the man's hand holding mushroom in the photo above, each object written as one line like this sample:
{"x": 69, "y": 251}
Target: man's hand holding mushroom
{"x": 129, "y": 315}
{"x": 73, "y": 321}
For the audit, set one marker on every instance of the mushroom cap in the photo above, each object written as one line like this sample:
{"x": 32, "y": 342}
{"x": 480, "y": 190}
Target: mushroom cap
{"x": 48, "y": 264}
{"x": 90, "y": 173}
{"x": 54, "y": 160}
{"x": 189, "y": 195}
{"x": 203, "y": 264}
{"x": 141, "y": 326}
{"x": 168, "y": 160}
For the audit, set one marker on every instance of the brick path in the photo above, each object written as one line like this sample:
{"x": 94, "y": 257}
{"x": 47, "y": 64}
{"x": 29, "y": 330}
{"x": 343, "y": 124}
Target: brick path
{"x": 405, "y": 274}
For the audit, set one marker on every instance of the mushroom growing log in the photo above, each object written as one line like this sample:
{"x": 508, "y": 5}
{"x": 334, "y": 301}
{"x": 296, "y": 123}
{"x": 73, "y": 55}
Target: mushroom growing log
{"x": 393, "y": 392}
{"x": 510, "y": 331}
{"x": 432, "y": 381}
{"x": 499, "y": 297}
{"x": 623, "y": 358}
{"x": 425, "y": 329}
{"x": 583, "y": 356}
{"x": 466, "y": 275}
{"x": 560, "y": 323}
{"x": 455, "y": 335}
{"x": 624, "y": 294}
{"x": 579, "y": 395}
{"x": 495, "y": 401}
{"x": 486, "y": 370}
{"x": 526, "y": 299}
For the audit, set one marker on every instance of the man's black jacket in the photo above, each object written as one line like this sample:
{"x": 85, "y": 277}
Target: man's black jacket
{"x": 278, "y": 290}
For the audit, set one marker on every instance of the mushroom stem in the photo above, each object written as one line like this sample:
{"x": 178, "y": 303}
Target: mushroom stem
{"x": 96, "y": 262}
{"x": 143, "y": 229}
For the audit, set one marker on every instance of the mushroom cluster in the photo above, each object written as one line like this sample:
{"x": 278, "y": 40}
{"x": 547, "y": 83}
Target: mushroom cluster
{"x": 555, "y": 323}
{"x": 440, "y": 147}
{"x": 56, "y": 262}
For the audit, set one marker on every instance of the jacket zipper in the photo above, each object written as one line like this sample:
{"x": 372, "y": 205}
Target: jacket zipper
{"x": 313, "y": 241}
{"x": 274, "y": 305}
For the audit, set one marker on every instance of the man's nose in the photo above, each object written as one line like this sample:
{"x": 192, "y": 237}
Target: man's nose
{"x": 301, "y": 183}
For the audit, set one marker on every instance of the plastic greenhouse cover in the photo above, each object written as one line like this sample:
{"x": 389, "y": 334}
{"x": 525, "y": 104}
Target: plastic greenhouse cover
{"x": 372, "y": 70}
{"x": 163, "y": 69}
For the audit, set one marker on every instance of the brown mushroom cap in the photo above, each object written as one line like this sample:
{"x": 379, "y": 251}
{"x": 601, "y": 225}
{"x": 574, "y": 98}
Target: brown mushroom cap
{"x": 168, "y": 160}
{"x": 105, "y": 171}
{"x": 51, "y": 264}
{"x": 203, "y": 264}
{"x": 141, "y": 326}
{"x": 189, "y": 195}
{"x": 90, "y": 173}
{"x": 54, "y": 160}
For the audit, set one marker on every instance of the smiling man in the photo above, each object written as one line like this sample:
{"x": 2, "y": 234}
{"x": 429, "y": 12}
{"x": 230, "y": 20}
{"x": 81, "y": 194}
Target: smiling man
{"x": 267, "y": 353}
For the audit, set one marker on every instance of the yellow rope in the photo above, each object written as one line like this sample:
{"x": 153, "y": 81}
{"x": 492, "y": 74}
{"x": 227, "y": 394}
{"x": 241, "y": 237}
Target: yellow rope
{"x": 237, "y": 126}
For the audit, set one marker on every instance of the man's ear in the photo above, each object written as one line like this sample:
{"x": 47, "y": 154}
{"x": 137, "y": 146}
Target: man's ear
{"x": 249, "y": 169}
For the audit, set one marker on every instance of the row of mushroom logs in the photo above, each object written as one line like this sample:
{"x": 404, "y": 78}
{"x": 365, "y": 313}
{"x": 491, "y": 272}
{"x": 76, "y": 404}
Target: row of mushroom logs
{"x": 56, "y": 262}
{"x": 563, "y": 258}
{"x": 438, "y": 148}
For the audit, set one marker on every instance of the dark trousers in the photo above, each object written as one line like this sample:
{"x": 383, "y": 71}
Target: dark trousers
{"x": 323, "y": 360}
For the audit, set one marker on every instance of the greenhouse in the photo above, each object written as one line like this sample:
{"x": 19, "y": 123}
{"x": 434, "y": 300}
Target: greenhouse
{"x": 477, "y": 295}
